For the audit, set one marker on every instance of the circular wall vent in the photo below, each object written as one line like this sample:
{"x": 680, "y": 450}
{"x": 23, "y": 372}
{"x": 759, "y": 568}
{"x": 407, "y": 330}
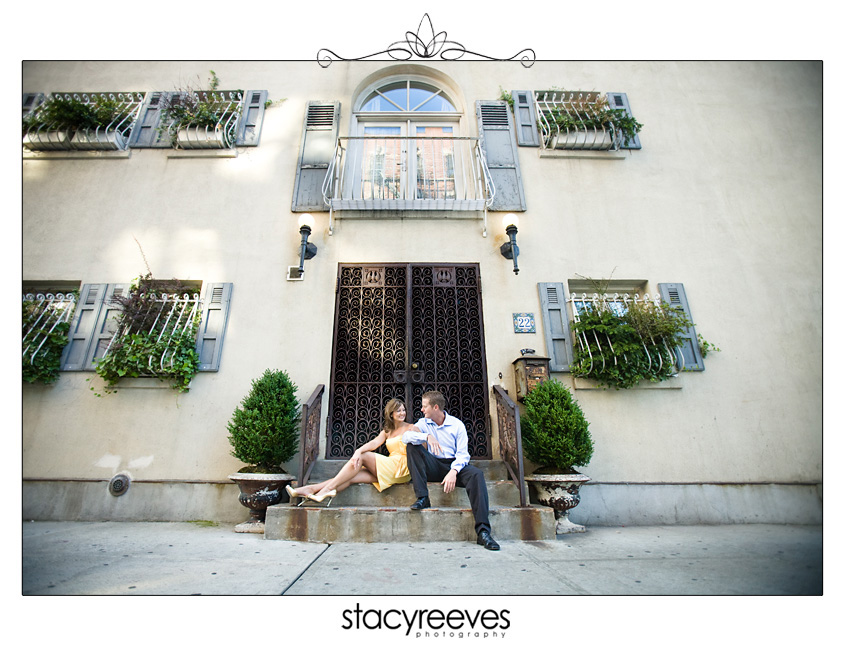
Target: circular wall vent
{"x": 119, "y": 485}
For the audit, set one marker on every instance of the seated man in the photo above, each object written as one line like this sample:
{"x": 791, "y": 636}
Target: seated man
{"x": 446, "y": 460}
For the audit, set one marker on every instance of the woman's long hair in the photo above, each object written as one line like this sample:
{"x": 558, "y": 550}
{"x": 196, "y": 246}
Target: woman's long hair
{"x": 392, "y": 406}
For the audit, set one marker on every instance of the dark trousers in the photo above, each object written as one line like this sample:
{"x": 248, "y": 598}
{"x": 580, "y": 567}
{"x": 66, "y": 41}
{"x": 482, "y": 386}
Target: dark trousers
{"x": 426, "y": 468}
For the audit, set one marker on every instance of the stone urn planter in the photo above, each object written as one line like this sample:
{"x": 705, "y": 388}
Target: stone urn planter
{"x": 562, "y": 493}
{"x": 258, "y": 492}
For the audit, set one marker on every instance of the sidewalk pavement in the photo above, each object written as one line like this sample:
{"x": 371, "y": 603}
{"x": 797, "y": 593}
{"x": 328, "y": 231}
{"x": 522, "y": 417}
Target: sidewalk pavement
{"x": 201, "y": 558}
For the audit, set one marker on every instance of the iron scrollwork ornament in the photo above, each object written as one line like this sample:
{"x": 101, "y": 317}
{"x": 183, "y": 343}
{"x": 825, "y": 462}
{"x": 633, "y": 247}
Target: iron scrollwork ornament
{"x": 425, "y": 43}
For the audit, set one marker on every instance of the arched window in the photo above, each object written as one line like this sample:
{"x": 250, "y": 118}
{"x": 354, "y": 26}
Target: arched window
{"x": 407, "y": 147}
{"x": 407, "y": 95}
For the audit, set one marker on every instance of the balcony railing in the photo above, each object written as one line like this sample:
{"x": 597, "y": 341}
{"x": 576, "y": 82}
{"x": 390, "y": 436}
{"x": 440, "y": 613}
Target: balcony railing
{"x": 574, "y": 120}
{"x": 403, "y": 173}
{"x": 53, "y": 125}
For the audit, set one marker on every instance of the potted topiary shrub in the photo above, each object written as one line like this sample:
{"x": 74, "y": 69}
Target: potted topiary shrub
{"x": 264, "y": 434}
{"x": 555, "y": 436}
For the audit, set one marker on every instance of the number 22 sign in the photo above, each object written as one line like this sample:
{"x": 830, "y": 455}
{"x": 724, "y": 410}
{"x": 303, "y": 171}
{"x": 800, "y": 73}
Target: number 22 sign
{"x": 524, "y": 323}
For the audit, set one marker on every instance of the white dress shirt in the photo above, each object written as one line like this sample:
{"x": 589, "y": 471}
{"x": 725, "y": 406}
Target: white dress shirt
{"x": 451, "y": 435}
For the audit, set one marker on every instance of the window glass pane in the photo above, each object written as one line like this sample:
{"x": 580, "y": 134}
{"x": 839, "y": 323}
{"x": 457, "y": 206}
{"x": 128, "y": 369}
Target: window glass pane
{"x": 381, "y": 163}
{"x": 382, "y": 131}
{"x": 394, "y": 97}
{"x": 435, "y": 163}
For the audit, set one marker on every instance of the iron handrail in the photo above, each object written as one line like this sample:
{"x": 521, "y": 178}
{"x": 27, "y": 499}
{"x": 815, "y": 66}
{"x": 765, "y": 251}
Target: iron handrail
{"x": 309, "y": 434}
{"x": 510, "y": 441}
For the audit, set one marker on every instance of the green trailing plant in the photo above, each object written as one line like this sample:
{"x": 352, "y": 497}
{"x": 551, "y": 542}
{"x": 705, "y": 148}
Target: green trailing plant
{"x": 61, "y": 113}
{"x": 555, "y": 433}
{"x": 264, "y": 429}
{"x": 705, "y": 347}
{"x": 147, "y": 343}
{"x": 620, "y": 345}
{"x": 506, "y": 96}
{"x": 45, "y": 336}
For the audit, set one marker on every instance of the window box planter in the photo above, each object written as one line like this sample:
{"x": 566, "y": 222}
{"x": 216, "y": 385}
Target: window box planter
{"x": 47, "y": 140}
{"x": 590, "y": 139}
{"x": 97, "y": 139}
{"x": 201, "y": 138}
{"x": 98, "y": 121}
{"x": 202, "y": 120}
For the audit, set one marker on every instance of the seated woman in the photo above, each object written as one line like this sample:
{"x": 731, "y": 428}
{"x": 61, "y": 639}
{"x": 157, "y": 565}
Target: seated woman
{"x": 365, "y": 466}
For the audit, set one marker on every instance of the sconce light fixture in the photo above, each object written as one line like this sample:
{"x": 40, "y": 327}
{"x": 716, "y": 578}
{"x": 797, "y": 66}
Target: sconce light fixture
{"x": 511, "y": 250}
{"x": 307, "y": 250}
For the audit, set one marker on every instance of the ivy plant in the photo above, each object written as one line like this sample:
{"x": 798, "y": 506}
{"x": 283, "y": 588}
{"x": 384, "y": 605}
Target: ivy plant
{"x": 621, "y": 348}
{"x": 148, "y": 346}
{"x": 43, "y": 367}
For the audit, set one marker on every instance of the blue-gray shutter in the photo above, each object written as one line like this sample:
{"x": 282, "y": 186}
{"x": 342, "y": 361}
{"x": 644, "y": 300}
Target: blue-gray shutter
{"x": 31, "y": 101}
{"x": 90, "y": 327}
{"x": 146, "y": 133}
{"x": 319, "y": 140}
{"x": 251, "y": 118}
{"x": 498, "y": 140}
{"x": 82, "y": 326}
{"x": 619, "y": 101}
{"x": 524, "y": 112}
{"x": 106, "y": 324}
{"x": 674, "y": 294}
{"x": 212, "y": 329}
{"x": 552, "y": 298}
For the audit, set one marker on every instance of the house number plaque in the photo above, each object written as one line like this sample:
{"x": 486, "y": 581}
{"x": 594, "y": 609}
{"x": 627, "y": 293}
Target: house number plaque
{"x": 524, "y": 323}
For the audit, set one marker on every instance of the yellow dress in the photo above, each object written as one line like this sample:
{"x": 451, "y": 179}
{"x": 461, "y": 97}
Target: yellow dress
{"x": 392, "y": 469}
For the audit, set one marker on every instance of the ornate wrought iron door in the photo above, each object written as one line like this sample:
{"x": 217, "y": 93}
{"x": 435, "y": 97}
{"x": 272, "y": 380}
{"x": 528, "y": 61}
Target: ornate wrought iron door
{"x": 401, "y": 330}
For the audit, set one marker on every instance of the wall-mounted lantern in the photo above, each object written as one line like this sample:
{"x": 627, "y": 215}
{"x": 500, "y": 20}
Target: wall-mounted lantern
{"x": 307, "y": 250}
{"x": 511, "y": 249}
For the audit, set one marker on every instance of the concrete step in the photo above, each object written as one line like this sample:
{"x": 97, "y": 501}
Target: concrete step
{"x": 362, "y": 514}
{"x": 494, "y": 470}
{"x": 401, "y": 524}
{"x": 501, "y": 493}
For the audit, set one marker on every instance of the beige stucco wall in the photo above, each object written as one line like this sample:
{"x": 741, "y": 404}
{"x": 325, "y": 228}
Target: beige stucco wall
{"x": 724, "y": 196}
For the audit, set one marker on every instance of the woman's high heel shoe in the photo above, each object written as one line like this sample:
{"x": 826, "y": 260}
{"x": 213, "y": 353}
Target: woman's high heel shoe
{"x": 318, "y": 499}
{"x": 295, "y": 494}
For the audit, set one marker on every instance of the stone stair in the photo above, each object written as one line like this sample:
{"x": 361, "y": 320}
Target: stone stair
{"x": 362, "y": 514}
